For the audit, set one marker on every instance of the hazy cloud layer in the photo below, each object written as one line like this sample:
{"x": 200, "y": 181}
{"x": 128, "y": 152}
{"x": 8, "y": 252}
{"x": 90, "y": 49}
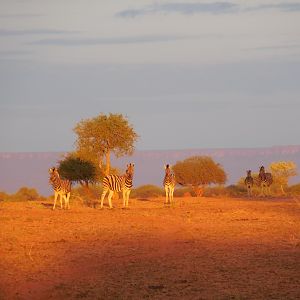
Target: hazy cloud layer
{"x": 16, "y": 16}
{"x": 108, "y": 41}
{"x": 17, "y": 32}
{"x": 183, "y": 8}
{"x": 276, "y": 47}
{"x": 287, "y": 7}
{"x": 212, "y": 8}
{"x": 14, "y": 53}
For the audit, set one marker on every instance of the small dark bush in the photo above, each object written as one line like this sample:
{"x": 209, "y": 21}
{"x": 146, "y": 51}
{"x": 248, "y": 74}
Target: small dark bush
{"x": 236, "y": 190}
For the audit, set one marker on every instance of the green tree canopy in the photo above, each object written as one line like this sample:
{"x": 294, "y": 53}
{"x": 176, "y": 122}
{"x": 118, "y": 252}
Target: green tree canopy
{"x": 77, "y": 170}
{"x": 100, "y": 136}
{"x": 199, "y": 171}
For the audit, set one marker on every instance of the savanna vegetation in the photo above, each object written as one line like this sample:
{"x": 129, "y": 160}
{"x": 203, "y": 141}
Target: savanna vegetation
{"x": 199, "y": 248}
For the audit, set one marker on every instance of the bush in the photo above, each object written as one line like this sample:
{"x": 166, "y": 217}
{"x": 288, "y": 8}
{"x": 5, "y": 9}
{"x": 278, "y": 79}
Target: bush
{"x": 23, "y": 194}
{"x": 216, "y": 191}
{"x": 236, "y": 190}
{"x": 294, "y": 190}
{"x": 147, "y": 191}
{"x": 26, "y": 194}
{"x": 89, "y": 197}
{"x": 184, "y": 192}
{"x": 3, "y": 196}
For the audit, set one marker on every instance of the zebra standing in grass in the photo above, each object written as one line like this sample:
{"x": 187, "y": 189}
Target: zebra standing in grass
{"x": 249, "y": 183}
{"x": 116, "y": 183}
{"x": 61, "y": 188}
{"x": 169, "y": 184}
{"x": 264, "y": 180}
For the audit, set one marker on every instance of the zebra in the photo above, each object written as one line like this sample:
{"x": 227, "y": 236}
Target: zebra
{"x": 117, "y": 183}
{"x": 169, "y": 183}
{"x": 61, "y": 188}
{"x": 249, "y": 183}
{"x": 264, "y": 180}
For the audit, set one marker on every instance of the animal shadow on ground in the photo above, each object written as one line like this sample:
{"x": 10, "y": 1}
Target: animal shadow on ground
{"x": 47, "y": 205}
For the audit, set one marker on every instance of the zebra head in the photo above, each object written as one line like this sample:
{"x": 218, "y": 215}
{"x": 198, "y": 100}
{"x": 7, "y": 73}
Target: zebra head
{"x": 130, "y": 171}
{"x": 168, "y": 169}
{"x": 262, "y": 173}
{"x": 53, "y": 172}
{"x": 248, "y": 173}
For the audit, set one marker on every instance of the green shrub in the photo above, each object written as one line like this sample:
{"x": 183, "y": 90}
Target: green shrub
{"x": 147, "y": 191}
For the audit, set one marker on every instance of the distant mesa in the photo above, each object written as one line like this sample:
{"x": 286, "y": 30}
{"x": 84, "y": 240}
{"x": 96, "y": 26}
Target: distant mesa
{"x": 30, "y": 168}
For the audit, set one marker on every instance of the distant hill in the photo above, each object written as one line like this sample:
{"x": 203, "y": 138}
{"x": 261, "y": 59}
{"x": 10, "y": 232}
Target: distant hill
{"x": 31, "y": 169}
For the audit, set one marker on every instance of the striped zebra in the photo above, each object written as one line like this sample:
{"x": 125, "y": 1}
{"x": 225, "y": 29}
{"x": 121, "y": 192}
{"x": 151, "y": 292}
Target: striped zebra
{"x": 116, "y": 183}
{"x": 249, "y": 183}
{"x": 264, "y": 180}
{"x": 169, "y": 184}
{"x": 61, "y": 188}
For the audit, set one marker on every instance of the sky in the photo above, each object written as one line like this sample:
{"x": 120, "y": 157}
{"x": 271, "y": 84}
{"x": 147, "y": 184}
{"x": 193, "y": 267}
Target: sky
{"x": 186, "y": 74}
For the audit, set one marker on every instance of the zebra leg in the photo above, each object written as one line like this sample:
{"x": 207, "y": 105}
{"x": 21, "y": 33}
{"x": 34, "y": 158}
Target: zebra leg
{"x": 109, "y": 198}
{"x": 124, "y": 198}
{"x": 55, "y": 198}
{"x": 102, "y": 197}
{"x": 65, "y": 200}
{"x": 167, "y": 195}
{"x": 67, "y": 203}
{"x": 69, "y": 195}
{"x": 61, "y": 201}
{"x": 171, "y": 196}
{"x": 127, "y": 198}
{"x": 248, "y": 190}
{"x": 263, "y": 190}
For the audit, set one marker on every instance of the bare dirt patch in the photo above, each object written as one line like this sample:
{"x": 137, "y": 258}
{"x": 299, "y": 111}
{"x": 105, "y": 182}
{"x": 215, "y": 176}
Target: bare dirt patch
{"x": 200, "y": 249}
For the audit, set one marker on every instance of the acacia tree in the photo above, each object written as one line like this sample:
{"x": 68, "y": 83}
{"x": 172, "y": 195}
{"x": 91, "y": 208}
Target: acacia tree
{"x": 282, "y": 171}
{"x": 77, "y": 170}
{"x": 199, "y": 171}
{"x": 100, "y": 136}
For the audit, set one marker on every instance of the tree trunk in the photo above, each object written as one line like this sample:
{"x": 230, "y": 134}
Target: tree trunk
{"x": 198, "y": 191}
{"x": 282, "y": 190}
{"x": 107, "y": 156}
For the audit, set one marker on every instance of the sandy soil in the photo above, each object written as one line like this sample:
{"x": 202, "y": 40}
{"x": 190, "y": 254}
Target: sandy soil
{"x": 200, "y": 249}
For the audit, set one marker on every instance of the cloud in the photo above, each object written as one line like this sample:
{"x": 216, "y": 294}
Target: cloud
{"x": 109, "y": 41}
{"x": 16, "y": 32}
{"x": 212, "y": 8}
{"x": 286, "y": 7}
{"x": 26, "y": 15}
{"x": 276, "y": 47}
{"x": 181, "y": 8}
{"x": 8, "y": 53}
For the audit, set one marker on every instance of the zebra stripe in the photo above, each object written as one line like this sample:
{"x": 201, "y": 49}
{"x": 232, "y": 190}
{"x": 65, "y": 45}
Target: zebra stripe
{"x": 117, "y": 183}
{"x": 264, "y": 180}
{"x": 169, "y": 183}
{"x": 249, "y": 182}
{"x": 60, "y": 187}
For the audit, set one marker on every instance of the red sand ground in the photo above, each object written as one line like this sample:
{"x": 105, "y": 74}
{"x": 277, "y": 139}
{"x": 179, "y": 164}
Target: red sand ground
{"x": 202, "y": 248}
